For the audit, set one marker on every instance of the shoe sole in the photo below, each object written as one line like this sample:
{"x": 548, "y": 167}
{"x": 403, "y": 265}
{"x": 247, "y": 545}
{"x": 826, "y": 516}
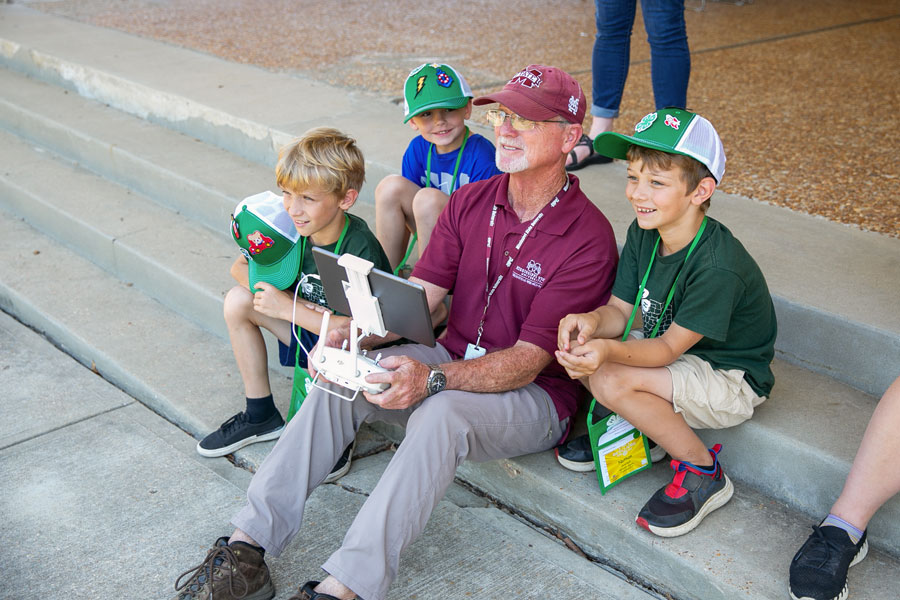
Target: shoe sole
{"x": 253, "y": 439}
{"x": 580, "y": 467}
{"x": 863, "y": 552}
{"x": 656, "y": 455}
{"x": 715, "y": 501}
{"x": 266, "y": 592}
{"x": 335, "y": 475}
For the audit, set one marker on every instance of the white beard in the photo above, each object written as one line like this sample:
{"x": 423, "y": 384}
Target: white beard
{"x": 506, "y": 164}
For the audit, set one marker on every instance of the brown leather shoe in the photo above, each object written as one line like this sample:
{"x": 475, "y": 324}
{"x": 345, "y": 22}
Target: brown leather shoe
{"x": 229, "y": 572}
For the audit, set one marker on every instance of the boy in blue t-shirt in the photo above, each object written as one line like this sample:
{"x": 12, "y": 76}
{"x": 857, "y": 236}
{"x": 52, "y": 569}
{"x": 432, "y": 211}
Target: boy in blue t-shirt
{"x": 442, "y": 158}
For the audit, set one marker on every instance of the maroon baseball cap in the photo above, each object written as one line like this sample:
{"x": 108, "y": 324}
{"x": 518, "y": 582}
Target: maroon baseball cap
{"x": 540, "y": 93}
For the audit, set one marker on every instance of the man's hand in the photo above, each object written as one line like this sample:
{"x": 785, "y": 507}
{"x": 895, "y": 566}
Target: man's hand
{"x": 407, "y": 378}
{"x": 272, "y": 302}
{"x": 584, "y": 360}
{"x": 578, "y": 328}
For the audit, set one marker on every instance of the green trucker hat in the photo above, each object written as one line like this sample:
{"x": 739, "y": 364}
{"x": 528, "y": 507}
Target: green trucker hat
{"x": 267, "y": 237}
{"x": 431, "y": 86}
{"x": 671, "y": 130}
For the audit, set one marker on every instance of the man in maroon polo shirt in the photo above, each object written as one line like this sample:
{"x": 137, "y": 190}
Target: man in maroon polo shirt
{"x": 519, "y": 252}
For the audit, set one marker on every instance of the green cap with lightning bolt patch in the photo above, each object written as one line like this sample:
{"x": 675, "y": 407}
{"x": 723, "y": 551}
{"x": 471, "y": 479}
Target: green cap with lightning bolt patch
{"x": 431, "y": 86}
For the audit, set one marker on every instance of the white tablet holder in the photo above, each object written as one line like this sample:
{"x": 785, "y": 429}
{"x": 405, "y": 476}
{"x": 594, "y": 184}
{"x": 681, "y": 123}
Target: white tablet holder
{"x": 345, "y": 366}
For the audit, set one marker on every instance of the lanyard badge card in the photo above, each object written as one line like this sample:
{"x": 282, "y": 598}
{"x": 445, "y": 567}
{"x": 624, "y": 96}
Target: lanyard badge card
{"x": 619, "y": 449}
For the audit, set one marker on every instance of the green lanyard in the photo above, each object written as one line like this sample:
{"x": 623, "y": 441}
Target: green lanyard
{"x": 455, "y": 169}
{"x": 637, "y": 300}
{"x": 337, "y": 247}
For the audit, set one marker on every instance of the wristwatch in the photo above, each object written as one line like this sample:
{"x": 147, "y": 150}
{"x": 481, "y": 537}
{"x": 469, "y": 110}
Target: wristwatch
{"x": 436, "y": 382}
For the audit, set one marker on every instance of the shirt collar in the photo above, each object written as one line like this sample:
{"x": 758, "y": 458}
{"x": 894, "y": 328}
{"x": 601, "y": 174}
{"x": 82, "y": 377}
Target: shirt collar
{"x": 556, "y": 221}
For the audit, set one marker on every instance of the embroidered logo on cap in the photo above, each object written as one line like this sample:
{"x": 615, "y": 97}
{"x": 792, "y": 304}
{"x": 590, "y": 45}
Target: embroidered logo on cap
{"x": 645, "y": 123}
{"x": 420, "y": 83}
{"x": 573, "y": 105}
{"x": 443, "y": 79}
{"x": 529, "y": 79}
{"x": 672, "y": 122}
{"x": 258, "y": 242}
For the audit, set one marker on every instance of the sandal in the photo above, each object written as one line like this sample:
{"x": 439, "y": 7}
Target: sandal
{"x": 306, "y": 593}
{"x": 593, "y": 158}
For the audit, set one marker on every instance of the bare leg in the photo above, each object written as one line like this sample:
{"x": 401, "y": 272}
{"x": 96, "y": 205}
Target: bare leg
{"x": 427, "y": 206}
{"x": 240, "y": 536}
{"x": 643, "y": 396}
{"x": 247, "y": 341}
{"x": 335, "y": 588}
{"x": 394, "y": 215}
{"x": 873, "y": 478}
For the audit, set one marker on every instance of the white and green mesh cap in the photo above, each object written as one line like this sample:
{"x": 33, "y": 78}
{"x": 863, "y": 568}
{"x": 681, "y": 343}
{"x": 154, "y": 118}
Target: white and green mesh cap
{"x": 670, "y": 130}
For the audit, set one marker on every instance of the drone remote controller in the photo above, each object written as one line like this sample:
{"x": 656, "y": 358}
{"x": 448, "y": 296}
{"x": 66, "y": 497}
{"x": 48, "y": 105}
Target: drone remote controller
{"x": 346, "y": 367}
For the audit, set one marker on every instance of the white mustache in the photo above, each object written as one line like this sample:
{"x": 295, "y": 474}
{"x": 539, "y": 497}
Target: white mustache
{"x": 505, "y": 141}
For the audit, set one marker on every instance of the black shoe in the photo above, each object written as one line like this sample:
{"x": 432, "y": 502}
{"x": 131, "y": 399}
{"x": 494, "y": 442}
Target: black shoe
{"x": 577, "y": 455}
{"x": 342, "y": 467}
{"x": 237, "y": 432}
{"x": 819, "y": 569}
{"x": 679, "y": 507}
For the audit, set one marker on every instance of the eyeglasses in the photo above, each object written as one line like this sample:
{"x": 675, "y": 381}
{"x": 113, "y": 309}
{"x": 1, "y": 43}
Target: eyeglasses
{"x": 496, "y": 117}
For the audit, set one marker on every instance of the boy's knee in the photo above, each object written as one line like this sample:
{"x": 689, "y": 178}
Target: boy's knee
{"x": 610, "y": 383}
{"x": 238, "y": 301}
{"x": 429, "y": 201}
{"x": 388, "y": 189}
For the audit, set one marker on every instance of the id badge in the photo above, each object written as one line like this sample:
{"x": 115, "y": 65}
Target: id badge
{"x": 473, "y": 351}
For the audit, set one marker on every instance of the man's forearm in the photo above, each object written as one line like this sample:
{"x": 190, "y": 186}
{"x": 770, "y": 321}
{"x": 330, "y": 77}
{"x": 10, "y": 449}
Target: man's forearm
{"x": 500, "y": 371}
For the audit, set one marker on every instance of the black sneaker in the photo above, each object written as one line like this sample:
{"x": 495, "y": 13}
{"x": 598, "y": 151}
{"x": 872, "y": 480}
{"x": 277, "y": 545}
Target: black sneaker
{"x": 229, "y": 572}
{"x": 237, "y": 432}
{"x": 342, "y": 467}
{"x": 577, "y": 455}
{"x": 695, "y": 492}
{"x": 819, "y": 569}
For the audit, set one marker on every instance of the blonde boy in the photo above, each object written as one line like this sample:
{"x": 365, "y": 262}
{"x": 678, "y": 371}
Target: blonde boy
{"x": 320, "y": 175}
{"x": 706, "y": 315}
{"x": 441, "y": 159}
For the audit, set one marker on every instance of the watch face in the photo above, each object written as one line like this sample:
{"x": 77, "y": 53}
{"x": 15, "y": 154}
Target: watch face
{"x": 436, "y": 382}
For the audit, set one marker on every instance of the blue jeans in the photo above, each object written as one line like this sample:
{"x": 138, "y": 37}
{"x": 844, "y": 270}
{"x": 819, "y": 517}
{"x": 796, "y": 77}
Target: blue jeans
{"x": 670, "y": 58}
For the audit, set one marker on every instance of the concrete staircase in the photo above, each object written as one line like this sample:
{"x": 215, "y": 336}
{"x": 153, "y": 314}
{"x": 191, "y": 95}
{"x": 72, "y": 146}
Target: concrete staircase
{"x": 122, "y": 159}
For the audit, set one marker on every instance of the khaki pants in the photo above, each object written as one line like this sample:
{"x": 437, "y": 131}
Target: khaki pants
{"x": 441, "y": 432}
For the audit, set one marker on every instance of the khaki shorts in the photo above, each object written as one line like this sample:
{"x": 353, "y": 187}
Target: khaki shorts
{"x": 711, "y": 398}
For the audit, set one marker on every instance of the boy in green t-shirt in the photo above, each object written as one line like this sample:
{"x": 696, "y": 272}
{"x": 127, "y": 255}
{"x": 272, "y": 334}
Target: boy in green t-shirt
{"x": 320, "y": 175}
{"x": 704, "y": 337}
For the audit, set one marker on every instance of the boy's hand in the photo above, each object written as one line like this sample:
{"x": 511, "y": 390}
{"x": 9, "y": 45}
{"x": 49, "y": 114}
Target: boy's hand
{"x": 584, "y": 360}
{"x": 272, "y": 302}
{"x": 407, "y": 378}
{"x": 578, "y": 328}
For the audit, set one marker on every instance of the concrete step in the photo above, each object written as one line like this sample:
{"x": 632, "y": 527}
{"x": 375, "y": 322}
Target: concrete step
{"x": 168, "y": 257}
{"x": 199, "y": 181}
{"x": 809, "y": 414}
{"x": 129, "y": 339}
{"x": 834, "y": 298}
